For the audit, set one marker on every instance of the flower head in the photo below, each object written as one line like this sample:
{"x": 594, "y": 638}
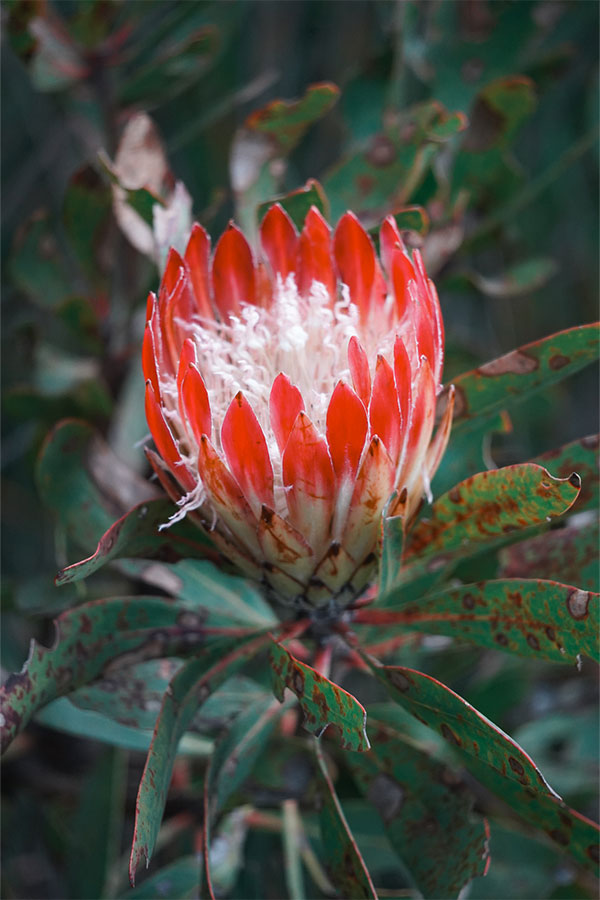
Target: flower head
{"x": 291, "y": 397}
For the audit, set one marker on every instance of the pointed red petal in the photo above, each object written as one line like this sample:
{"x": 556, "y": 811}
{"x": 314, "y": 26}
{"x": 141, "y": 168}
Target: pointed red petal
{"x": 165, "y": 442}
{"x": 226, "y": 497}
{"x": 374, "y": 484}
{"x": 439, "y": 443}
{"x": 247, "y": 454}
{"x": 420, "y": 429}
{"x": 359, "y": 370}
{"x": 285, "y": 403}
{"x": 309, "y": 481}
{"x": 389, "y": 238}
{"x": 193, "y": 397}
{"x": 233, "y": 273}
{"x": 176, "y": 306}
{"x": 314, "y": 254}
{"x": 279, "y": 240}
{"x": 402, "y": 273}
{"x": 355, "y": 258}
{"x": 149, "y": 367}
{"x": 384, "y": 412}
{"x": 403, "y": 379}
{"x": 197, "y": 255}
{"x": 346, "y": 430}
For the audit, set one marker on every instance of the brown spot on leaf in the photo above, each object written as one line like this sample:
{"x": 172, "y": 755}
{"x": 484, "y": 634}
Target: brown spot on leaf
{"x": 382, "y": 152}
{"x": 558, "y": 361}
{"x": 593, "y": 851}
{"x": 501, "y": 639}
{"x": 486, "y": 127}
{"x": 298, "y": 682}
{"x": 400, "y": 681}
{"x": 468, "y": 601}
{"x": 387, "y": 796}
{"x": 550, "y": 632}
{"x": 560, "y": 837}
{"x": 516, "y": 766}
{"x": 449, "y": 735}
{"x": 533, "y": 641}
{"x": 578, "y": 603}
{"x": 515, "y": 363}
{"x": 455, "y": 495}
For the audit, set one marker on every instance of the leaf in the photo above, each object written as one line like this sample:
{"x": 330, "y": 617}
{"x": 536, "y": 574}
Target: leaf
{"x": 178, "y": 881}
{"x": 343, "y": 859}
{"x": 520, "y": 373}
{"x": 138, "y": 534}
{"x": 323, "y": 702}
{"x": 286, "y": 121}
{"x": 523, "y": 278}
{"x": 482, "y": 510}
{"x": 573, "y": 833}
{"x": 498, "y": 111}
{"x": 297, "y": 203}
{"x": 91, "y": 640}
{"x": 468, "y": 452}
{"x": 233, "y": 759}
{"x": 190, "y": 687}
{"x": 62, "y": 715}
{"x": 581, "y": 456}
{"x": 97, "y": 826}
{"x": 532, "y": 618}
{"x": 426, "y": 809}
{"x": 86, "y": 485}
{"x": 228, "y": 599}
{"x": 572, "y": 553}
{"x": 435, "y": 705}
{"x": 86, "y": 211}
{"x": 36, "y": 265}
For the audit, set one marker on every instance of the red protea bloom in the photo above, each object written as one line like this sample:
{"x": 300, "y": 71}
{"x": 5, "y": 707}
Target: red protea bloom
{"x": 289, "y": 398}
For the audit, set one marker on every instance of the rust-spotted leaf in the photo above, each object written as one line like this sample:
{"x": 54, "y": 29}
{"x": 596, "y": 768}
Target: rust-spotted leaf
{"x": 529, "y": 617}
{"x": 323, "y": 702}
{"x": 520, "y": 373}
{"x": 343, "y": 859}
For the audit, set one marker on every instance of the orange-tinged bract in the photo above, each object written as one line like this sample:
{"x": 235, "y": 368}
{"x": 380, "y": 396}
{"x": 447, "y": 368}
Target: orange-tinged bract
{"x": 289, "y": 398}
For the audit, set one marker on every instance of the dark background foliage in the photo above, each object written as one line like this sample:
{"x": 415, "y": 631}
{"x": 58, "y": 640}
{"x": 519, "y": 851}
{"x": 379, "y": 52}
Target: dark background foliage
{"x": 514, "y": 237}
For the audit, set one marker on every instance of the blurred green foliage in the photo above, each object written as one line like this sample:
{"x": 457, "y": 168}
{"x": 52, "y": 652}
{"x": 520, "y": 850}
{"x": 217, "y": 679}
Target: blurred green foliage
{"x": 509, "y": 204}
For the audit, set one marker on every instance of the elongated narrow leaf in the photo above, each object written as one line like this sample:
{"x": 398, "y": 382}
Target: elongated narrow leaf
{"x": 92, "y": 639}
{"x": 459, "y": 723}
{"x": 323, "y": 702}
{"x": 571, "y": 832}
{"x": 532, "y": 618}
{"x": 426, "y": 809}
{"x": 137, "y": 534}
{"x": 572, "y": 553}
{"x": 233, "y": 759}
{"x": 286, "y": 121}
{"x": 343, "y": 859}
{"x": 228, "y": 599}
{"x": 483, "y": 510}
{"x": 87, "y": 486}
{"x": 190, "y": 687}
{"x": 581, "y": 456}
{"x": 179, "y": 881}
{"x": 520, "y": 373}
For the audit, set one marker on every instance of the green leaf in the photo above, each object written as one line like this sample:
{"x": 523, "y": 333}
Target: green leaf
{"x": 36, "y": 264}
{"x": 97, "y": 826}
{"x": 63, "y": 715}
{"x": 233, "y": 759}
{"x": 572, "y": 553}
{"x": 323, "y": 702}
{"x": 466, "y": 453}
{"x": 298, "y": 202}
{"x": 434, "y": 704}
{"x": 84, "y": 483}
{"x": 86, "y": 211}
{"x": 343, "y": 859}
{"x": 581, "y": 456}
{"x": 286, "y": 121}
{"x": 408, "y": 218}
{"x": 138, "y": 534}
{"x": 574, "y": 834}
{"x": 482, "y": 510}
{"x": 179, "y": 881}
{"x": 426, "y": 809}
{"x": 523, "y": 278}
{"x": 228, "y": 599}
{"x": 190, "y": 687}
{"x": 531, "y": 618}
{"x": 520, "y": 373}
{"x": 91, "y": 640}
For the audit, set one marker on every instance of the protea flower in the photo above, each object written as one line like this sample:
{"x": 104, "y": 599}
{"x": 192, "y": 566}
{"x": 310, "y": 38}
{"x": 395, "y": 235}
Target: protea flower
{"x": 290, "y": 397}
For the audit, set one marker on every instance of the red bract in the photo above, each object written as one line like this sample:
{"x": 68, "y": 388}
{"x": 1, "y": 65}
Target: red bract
{"x": 290, "y": 398}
